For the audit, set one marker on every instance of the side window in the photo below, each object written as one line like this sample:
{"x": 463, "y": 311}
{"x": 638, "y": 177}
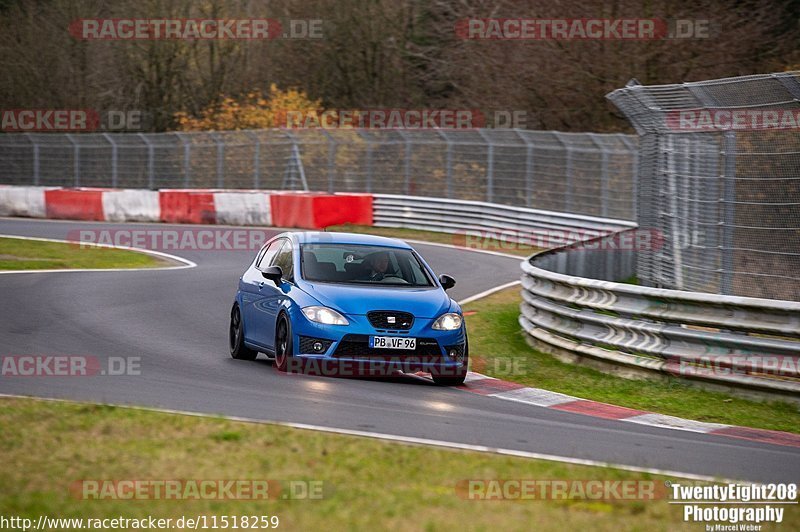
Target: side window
{"x": 284, "y": 260}
{"x": 267, "y": 253}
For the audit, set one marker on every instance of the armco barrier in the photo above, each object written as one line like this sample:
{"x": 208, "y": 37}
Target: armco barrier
{"x": 456, "y": 216}
{"x": 735, "y": 342}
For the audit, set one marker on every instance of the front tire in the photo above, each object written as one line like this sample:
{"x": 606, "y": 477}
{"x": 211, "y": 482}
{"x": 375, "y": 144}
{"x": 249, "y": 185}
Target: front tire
{"x": 283, "y": 343}
{"x": 239, "y": 351}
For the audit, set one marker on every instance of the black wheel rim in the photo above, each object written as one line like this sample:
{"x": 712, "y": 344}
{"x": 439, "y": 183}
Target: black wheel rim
{"x": 282, "y": 342}
{"x": 236, "y": 328}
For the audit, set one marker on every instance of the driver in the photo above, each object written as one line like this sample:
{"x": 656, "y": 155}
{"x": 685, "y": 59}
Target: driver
{"x": 377, "y": 266}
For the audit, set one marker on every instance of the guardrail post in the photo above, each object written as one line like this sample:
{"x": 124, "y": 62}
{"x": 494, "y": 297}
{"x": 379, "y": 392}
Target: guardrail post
{"x": 151, "y": 175}
{"x": 114, "y": 159}
{"x": 729, "y": 211}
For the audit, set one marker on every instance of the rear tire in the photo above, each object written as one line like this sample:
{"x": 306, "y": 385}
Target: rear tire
{"x": 239, "y": 351}
{"x": 283, "y": 343}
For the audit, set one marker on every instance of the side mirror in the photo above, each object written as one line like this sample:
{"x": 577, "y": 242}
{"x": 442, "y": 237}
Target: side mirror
{"x": 446, "y": 281}
{"x": 274, "y": 274}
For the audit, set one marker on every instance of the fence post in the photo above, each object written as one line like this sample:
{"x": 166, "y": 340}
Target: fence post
{"x": 220, "y": 161}
{"x": 36, "y": 161}
{"x": 604, "y": 191}
{"x": 489, "y": 166}
{"x": 634, "y": 150}
{"x": 729, "y": 212}
{"x": 114, "y": 160}
{"x": 568, "y": 171}
{"x": 448, "y": 163}
{"x": 76, "y": 160}
{"x": 407, "y": 162}
{"x": 187, "y": 159}
{"x": 256, "y": 160}
{"x": 331, "y": 161}
{"x": 529, "y": 162}
{"x": 368, "y": 184}
{"x": 151, "y": 176}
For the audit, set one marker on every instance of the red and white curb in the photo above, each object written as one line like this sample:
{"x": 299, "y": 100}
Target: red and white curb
{"x": 511, "y": 391}
{"x": 309, "y": 210}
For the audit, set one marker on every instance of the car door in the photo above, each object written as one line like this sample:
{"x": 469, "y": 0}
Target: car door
{"x": 252, "y": 285}
{"x": 273, "y": 296}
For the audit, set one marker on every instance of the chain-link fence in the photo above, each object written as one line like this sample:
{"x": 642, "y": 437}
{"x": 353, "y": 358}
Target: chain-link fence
{"x": 720, "y": 177}
{"x": 581, "y": 173}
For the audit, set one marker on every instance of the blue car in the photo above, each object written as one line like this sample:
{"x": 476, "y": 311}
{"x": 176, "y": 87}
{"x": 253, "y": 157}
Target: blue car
{"x": 348, "y": 304}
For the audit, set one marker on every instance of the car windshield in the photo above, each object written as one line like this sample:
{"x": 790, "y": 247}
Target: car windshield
{"x": 360, "y": 264}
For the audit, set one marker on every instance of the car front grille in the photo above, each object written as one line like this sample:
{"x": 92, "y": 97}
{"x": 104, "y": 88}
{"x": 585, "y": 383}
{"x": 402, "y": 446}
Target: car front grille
{"x": 390, "y": 320}
{"x": 356, "y": 346}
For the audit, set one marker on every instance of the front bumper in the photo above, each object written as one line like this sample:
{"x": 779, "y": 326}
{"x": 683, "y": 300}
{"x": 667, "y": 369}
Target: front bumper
{"x": 344, "y": 349}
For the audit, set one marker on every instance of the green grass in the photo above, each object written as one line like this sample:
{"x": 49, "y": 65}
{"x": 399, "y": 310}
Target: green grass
{"x": 486, "y": 244}
{"x": 367, "y": 484}
{"x": 513, "y": 359}
{"x": 20, "y": 254}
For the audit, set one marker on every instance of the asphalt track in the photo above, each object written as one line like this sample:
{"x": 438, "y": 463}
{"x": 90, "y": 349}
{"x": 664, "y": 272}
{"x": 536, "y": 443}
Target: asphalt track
{"x": 177, "y": 321}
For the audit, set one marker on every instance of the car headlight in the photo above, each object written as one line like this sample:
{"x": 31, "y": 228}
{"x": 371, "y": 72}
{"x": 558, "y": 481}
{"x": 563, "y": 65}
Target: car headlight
{"x": 448, "y": 322}
{"x": 325, "y": 315}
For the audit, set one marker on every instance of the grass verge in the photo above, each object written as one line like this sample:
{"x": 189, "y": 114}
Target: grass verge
{"x": 496, "y": 318}
{"x": 367, "y": 484}
{"x": 462, "y": 240}
{"x": 21, "y": 254}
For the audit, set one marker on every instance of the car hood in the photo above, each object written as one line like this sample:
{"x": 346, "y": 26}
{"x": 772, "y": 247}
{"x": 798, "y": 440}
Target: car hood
{"x": 358, "y": 300}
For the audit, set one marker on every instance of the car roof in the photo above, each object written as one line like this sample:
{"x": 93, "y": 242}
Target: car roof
{"x": 323, "y": 237}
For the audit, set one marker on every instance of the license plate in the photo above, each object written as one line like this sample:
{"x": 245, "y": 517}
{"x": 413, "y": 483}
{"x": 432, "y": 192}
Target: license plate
{"x": 392, "y": 342}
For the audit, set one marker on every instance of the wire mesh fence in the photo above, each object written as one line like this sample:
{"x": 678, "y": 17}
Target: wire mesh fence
{"x": 720, "y": 178}
{"x": 582, "y": 173}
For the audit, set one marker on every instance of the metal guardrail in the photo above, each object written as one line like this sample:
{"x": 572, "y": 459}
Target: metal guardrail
{"x": 732, "y": 341}
{"x": 572, "y": 307}
{"x": 476, "y": 219}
